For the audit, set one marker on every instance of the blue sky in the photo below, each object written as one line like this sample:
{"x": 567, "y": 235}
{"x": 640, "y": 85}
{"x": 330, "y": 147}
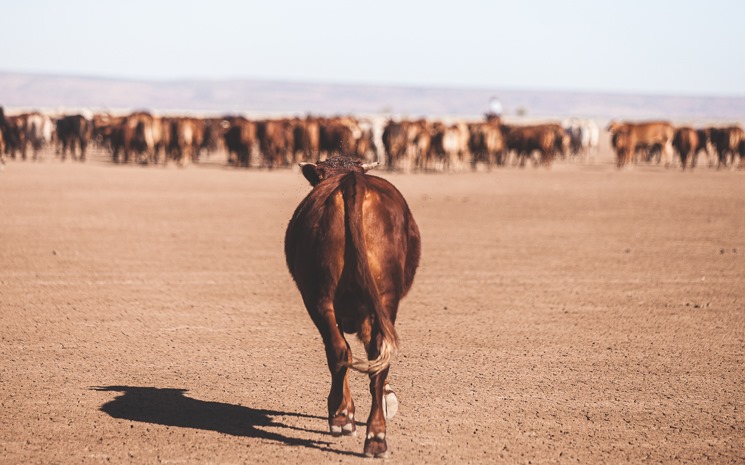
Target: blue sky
{"x": 669, "y": 47}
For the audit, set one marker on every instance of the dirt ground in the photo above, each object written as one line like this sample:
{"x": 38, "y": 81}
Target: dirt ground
{"x": 572, "y": 315}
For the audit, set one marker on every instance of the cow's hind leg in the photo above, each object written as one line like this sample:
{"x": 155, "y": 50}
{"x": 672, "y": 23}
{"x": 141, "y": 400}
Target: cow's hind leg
{"x": 384, "y": 402}
{"x": 338, "y": 356}
{"x": 340, "y": 403}
{"x": 376, "y": 444}
{"x": 390, "y": 401}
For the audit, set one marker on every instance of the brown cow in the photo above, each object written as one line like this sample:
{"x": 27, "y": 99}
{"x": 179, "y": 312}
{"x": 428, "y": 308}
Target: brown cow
{"x": 563, "y": 142}
{"x": 685, "y": 142}
{"x": 2, "y": 138}
{"x": 486, "y": 144}
{"x": 275, "y": 142}
{"x": 73, "y": 130}
{"x": 352, "y": 247}
{"x": 407, "y": 145}
{"x": 420, "y": 139}
{"x": 624, "y": 146}
{"x": 542, "y": 138}
{"x": 140, "y": 137}
{"x": 213, "y": 135}
{"x": 450, "y": 146}
{"x": 306, "y": 139}
{"x": 14, "y": 135}
{"x": 649, "y": 136}
{"x": 704, "y": 140}
{"x": 240, "y": 139}
{"x": 108, "y": 133}
{"x": 3, "y": 130}
{"x": 185, "y": 139}
{"x": 336, "y": 136}
{"x": 365, "y": 147}
{"x": 726, "y": 142}
{"x": 395, "y": 143}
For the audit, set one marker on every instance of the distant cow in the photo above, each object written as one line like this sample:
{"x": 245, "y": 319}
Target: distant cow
{"x": 624, "y": 147}
{"x": 306, "y": 139}
{"x": 139, "y": 140}
{"x": 395, "y": 143}
{"x": 486, "y": 144}
{"x": 336, "y": 136}
{"x": 185, "y": 139}
{"x": 648, "y": 136}
{"x": 108, "y": 133}
{"x": 704, "y": 142}
{"x": 73, "y": 130}
{"x": 276, "y": 142}
{"x": 3, "y": 130}
{"x": 13, "y": 135}
{"x": 420, "y": 142}
{"x": 213, "y": 135}
{"x": 20, "y": 131}
{"x": 240, "y": 139}
{"x": 352, "y": 247}
{"x": 38, "y": 130}
{"x": 450, "y": 146}
{"x": 685, "y": 142}
{"x": 726, "y": 142}
{"x": 545, "y": 139}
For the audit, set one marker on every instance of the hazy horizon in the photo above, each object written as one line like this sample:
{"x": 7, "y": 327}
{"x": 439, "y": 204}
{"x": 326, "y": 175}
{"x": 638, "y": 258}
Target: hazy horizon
{"x": 60, "y": 92}
{"x": 290, "y": 81}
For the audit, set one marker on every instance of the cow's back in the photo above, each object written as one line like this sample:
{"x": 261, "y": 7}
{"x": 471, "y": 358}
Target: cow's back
{"x": 316, "y": 246}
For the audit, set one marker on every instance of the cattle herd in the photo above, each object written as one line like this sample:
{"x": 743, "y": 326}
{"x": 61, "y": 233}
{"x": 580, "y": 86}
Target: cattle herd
{"x": 657, "y": 140}
{"x": 404, "y": 145}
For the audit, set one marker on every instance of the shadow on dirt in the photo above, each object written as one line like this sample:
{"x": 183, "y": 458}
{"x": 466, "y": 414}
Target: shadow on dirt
{"x": 171, "y": 407}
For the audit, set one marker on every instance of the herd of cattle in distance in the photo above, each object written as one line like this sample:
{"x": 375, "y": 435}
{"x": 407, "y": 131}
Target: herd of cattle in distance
{"x": 406, "y": 145}
{"x": 652, "y": 140}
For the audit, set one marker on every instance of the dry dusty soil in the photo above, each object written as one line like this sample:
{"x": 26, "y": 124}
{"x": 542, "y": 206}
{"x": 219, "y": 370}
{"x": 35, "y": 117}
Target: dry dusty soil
{"x": 572, "y": 315}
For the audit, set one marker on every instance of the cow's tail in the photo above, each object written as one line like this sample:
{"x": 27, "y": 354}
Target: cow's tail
{"x": 354, "y": 193}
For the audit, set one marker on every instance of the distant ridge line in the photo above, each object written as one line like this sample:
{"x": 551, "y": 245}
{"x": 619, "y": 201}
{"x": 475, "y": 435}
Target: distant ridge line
{"x": 28, "y": 90}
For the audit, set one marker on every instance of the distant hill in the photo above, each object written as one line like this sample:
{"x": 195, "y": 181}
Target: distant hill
{"x": 276, "y": 97}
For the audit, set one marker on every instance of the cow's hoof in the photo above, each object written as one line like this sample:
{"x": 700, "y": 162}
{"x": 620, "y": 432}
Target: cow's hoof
{"x": 390, "y": 404}
{"x": 345, "y": 430}
{"x": 342, "y": 425}
{"x": 376, "y": 446}
{"x": 349, "y": 429}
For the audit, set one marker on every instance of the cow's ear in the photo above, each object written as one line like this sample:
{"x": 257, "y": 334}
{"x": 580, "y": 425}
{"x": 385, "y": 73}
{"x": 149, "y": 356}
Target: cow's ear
{"x": 310, "y": 171}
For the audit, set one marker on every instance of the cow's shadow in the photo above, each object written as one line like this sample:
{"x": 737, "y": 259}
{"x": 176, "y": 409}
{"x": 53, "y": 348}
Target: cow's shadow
{"x": 171, "y": 407}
